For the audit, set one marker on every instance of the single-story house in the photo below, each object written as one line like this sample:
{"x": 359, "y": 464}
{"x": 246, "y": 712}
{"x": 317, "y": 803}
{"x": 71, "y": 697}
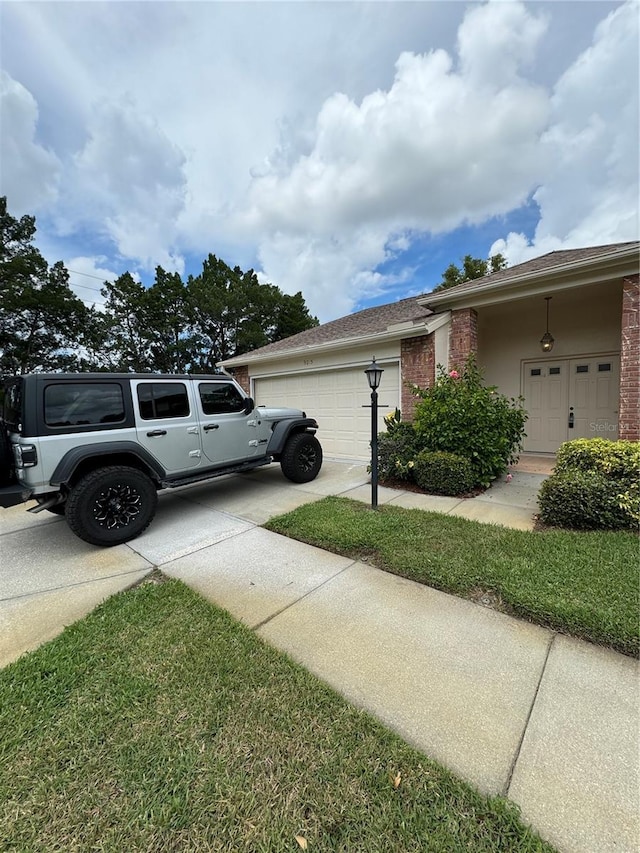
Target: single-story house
{"x": 561, "y": 330}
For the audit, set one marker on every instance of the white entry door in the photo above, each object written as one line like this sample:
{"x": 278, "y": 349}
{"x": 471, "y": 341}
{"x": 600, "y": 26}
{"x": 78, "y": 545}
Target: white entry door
{"x": 594, "y": 389}
{"x": 570, "y": 398}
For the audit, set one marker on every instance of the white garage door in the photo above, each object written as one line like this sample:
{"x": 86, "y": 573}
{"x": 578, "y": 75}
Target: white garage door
{"x": 335, "y": 399}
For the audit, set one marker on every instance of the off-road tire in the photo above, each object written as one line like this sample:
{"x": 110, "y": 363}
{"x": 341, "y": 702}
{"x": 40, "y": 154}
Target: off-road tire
{"x": 111, "y": 505}
{"x": 301, "y": 458}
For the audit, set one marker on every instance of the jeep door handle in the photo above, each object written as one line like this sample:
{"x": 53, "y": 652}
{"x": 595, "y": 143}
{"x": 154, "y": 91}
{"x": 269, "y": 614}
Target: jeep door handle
{"x": 155, "y": 432}
{"x": 207, "y": 427}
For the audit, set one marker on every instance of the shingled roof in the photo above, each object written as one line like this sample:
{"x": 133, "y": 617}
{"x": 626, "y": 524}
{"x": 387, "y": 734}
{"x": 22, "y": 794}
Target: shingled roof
{"x": 370, "y": 321}
{"x": 415, "y": 310}
{"x": 550, "y": 261}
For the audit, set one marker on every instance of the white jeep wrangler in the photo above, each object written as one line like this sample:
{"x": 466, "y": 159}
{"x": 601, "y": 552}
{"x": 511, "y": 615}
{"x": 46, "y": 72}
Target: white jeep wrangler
{"x": 97, "y": 447}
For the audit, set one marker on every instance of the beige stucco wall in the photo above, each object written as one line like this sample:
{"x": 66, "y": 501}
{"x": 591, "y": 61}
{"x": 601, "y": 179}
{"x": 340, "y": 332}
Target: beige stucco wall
{"x": 583, "y": 322}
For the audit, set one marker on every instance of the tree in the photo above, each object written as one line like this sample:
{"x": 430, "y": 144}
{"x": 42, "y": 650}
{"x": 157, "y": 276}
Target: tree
{"x": 41, "y": 319}
{"x": 472, "y": 268}
{"x": 172, "y": 347}
{"x": 126, "y": 329}
{"x": 170, "y": 327}
{"x": 231, "y": 313}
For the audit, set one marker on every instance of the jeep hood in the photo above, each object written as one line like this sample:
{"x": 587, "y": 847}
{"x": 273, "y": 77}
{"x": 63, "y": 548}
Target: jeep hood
{"x": 268, "y": 413}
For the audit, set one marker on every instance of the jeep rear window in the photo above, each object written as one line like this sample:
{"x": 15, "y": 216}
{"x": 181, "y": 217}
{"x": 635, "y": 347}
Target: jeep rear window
{"x": 83, "y": 404}
{"x": 162, "y": 400}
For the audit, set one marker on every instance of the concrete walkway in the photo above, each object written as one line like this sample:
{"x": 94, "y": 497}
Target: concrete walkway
{"x": 517, "y": 710}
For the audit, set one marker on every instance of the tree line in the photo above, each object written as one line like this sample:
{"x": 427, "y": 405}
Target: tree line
{"x": 173, "y": 326}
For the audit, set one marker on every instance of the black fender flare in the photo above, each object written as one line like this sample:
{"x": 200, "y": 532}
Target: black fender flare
{"x": 68, "y": 464}
{"x": 283, "y": 429}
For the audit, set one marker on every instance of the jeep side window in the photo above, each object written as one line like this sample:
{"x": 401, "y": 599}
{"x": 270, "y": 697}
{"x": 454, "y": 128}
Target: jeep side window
{"x": 162, "y": 400}
{"x": 82, "y": 404}
{"x": 220, "y": 398}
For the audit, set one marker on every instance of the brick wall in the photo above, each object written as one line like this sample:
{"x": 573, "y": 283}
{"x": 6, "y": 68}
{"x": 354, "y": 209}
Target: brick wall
{"x": 241, "y": 375}
{"x": 417, "y": 367}
{"x": 629, "y": 417}
{"x": 463, "y": 336}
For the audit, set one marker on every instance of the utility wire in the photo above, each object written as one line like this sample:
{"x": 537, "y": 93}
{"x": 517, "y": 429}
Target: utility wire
{"x": 87, "y": 274}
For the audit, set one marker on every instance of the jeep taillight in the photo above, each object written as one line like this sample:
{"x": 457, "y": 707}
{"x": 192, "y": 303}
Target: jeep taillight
{"x": 25, "y": 455}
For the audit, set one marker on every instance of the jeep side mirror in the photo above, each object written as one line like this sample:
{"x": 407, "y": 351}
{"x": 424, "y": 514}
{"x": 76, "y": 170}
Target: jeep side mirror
{"x": 249, "y": 405}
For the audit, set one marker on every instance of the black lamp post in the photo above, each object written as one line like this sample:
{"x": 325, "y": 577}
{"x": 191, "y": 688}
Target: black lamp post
{"x": 374, "y": 373}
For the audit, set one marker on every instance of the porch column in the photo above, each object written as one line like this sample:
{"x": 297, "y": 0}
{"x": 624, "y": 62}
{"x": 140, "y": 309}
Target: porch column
{"x": 463, "y": 336}
{"x": 417, "y": 367}
{"x": 629, "y": 415}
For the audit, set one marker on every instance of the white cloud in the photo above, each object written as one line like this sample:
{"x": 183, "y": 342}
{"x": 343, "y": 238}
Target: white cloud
{"x": 442, "y": 147}
{"x": 318, "y": 141}
{"x": 321, "y": 266}
{"x": 29, "y": 172}
{"x": 87, "y": 276}
{"x": 590, "y": 195}
{"x": 130, "y": 177}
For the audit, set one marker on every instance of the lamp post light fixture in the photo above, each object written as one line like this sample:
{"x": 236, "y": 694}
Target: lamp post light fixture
{"x": 546, "y": 341}
{"x": 374, "y": 374}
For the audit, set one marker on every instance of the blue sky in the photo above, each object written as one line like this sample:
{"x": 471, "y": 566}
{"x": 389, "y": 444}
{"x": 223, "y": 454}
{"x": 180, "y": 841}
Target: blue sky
{"x": 348, "y": 150}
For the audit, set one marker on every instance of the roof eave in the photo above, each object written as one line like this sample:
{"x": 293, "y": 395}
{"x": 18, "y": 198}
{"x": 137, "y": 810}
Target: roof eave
{"x": 585, "y": 271}
{"x": 393, "y": 333}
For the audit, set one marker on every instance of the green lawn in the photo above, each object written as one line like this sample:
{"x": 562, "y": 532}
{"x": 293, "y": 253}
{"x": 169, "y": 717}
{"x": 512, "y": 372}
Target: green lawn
{"x": 584, "y": 584}
{"x": 159, "y": 723}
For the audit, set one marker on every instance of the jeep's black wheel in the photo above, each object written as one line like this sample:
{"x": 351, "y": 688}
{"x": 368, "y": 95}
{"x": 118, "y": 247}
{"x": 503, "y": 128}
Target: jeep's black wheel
{"x": 301, "y": 458}
{"x": 111, "y": 505}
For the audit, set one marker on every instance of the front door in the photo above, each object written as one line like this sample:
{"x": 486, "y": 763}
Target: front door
{"x": 570, "y": 398}
{"x": 229, "y": 433}
{"x": 593, "y": 397}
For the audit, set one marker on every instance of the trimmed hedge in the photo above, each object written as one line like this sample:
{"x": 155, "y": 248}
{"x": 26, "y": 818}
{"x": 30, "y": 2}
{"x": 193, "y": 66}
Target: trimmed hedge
{"x": 595, "y": 486}
{"x": 442, "y": 473}
{"x": 582, "y": 500}
{"x": 618, "y": 460}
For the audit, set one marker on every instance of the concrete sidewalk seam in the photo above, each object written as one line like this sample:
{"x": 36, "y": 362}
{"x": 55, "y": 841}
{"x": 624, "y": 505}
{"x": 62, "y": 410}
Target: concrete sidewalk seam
{"x": 516, "y": 755}
{"x": 282, "y": 610}
{"x": 202, "y": 547}
{"x": 79, "y": 583}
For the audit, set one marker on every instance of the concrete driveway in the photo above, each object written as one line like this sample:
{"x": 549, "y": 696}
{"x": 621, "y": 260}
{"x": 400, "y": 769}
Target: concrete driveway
{"x": 49, "y": 578}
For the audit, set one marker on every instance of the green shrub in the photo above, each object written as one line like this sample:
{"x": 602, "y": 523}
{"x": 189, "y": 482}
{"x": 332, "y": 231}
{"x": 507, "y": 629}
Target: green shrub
{"x": 619, "y": 460}
{"x": 397, "y": 449}
{"x": 460, "y": 415}
{"x": 583, "y": 500}
{"x": 442, "y": 473}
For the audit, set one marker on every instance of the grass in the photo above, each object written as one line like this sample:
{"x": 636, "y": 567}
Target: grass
{"x": 584, "y": 584}
{"x": 159, "y": 723}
